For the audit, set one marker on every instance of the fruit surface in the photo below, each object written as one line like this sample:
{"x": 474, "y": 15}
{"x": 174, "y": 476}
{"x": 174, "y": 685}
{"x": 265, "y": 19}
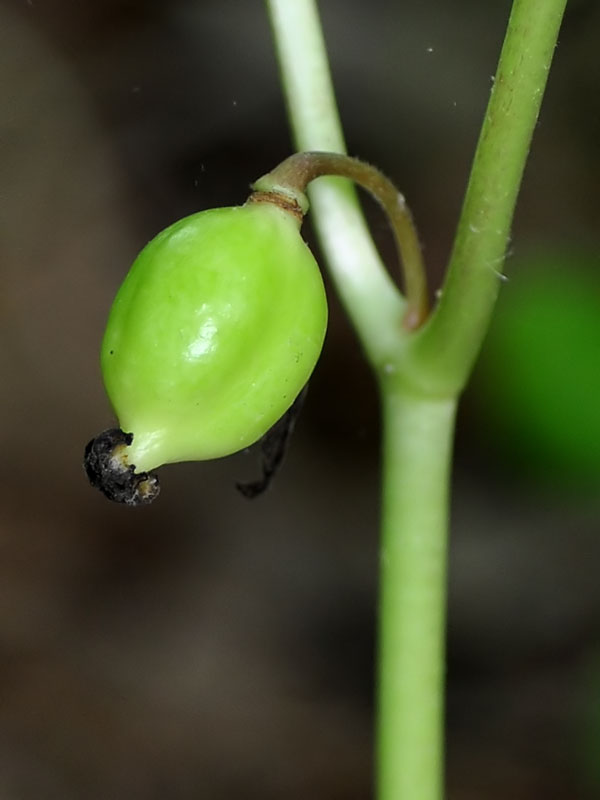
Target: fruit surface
{"x": 214, "y": 332}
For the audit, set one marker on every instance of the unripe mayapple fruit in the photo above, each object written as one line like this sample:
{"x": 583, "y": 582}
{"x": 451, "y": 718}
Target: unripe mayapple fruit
{"x": 213, "y": 334}
{"x": 218, "y": 327}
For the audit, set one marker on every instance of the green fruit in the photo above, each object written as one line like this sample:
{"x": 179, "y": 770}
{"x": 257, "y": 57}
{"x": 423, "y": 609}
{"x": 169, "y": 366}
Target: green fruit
{"x": 213, "y": 334}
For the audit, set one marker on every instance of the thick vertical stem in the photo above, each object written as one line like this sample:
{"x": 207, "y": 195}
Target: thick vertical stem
{"x": 437, "y": 358}
{"x": 418, "y": 437}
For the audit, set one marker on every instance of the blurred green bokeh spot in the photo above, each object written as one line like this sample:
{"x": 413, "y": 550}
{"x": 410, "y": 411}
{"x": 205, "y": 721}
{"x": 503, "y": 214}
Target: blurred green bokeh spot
{"x": 537, "y": 384}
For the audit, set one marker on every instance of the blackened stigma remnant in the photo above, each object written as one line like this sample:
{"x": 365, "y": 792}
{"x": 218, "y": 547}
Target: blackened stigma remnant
{"x": 105, "y": 463}
{"x": 107, "y": 468}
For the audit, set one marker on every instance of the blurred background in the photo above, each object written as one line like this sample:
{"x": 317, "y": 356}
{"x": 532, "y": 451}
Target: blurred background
{"x": 207, "y": 646}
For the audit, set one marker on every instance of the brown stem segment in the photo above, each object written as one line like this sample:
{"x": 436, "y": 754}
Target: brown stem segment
{"x": 294, "y": 174}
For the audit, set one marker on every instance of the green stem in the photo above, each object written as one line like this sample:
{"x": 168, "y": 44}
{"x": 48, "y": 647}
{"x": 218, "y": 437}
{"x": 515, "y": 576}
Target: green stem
{"x": 420, "y": 373}
{"x": 371, "y": 298}
{"x": 292, "y": 178}
{"x": 444, "y": 350}
{"x": 416, "y": 468}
